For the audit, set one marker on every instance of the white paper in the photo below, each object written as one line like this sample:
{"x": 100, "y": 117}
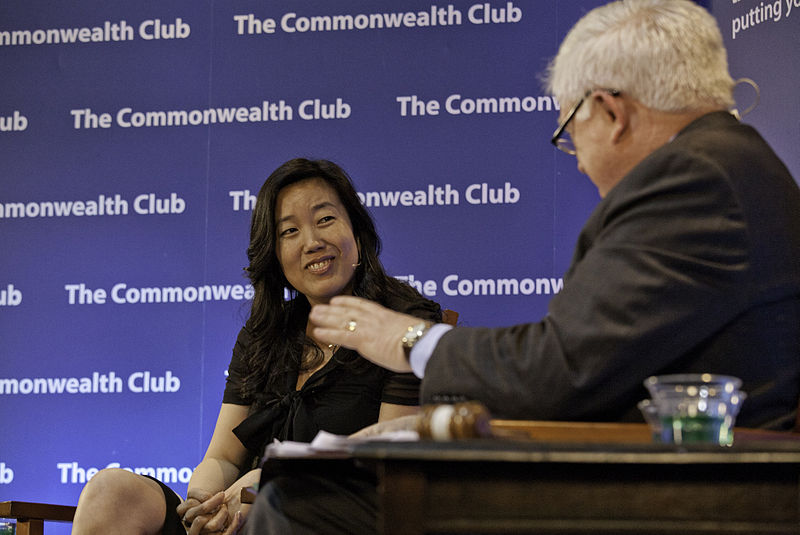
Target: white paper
{"x": 326, "y": 442}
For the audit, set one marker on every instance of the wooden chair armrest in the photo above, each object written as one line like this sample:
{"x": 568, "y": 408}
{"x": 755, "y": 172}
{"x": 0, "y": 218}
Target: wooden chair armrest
{"x": 248, "y": 495}
{"x": 41, "y": 511}
{"x": 30, "y": 516}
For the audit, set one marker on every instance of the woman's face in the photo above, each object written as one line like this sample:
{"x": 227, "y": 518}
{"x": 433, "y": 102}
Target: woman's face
{"x": 316, "y": 246}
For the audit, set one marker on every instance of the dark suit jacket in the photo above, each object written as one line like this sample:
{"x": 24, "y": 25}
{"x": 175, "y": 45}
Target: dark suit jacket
{"x": 690, "y": 264}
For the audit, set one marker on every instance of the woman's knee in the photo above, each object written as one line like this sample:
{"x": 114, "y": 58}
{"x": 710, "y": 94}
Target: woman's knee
{"x": 113, "y": 491}
{"x": 111, "y": 488}
{"x": 111, "y": 484}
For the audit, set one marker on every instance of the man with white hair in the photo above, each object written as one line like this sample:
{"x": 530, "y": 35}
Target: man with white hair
{"x": 690, "y": 262}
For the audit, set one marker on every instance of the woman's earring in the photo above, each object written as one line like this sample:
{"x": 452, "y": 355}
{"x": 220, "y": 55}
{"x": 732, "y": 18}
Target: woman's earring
{"x": 358, "y": 244}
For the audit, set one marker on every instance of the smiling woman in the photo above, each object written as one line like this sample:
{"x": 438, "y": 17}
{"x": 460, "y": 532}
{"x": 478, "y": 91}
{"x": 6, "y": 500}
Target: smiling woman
{"x": 316, "y": 245}
{"x": 310, "y": 238}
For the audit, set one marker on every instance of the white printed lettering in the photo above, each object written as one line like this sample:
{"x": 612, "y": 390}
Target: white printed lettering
{"x": 15, "y": 123}
{"x": 108, "y": 32}
{"x": 486, "y": 14}
{"x": 427, "y": 288}
{"x": 140, "y": 382}
{"x": 315, "y": 109}
{"x": 453, "y": 286}
{"x": 155, "y": 29}
{"x": 250, "y": 25}
{"x": 103, "y": 205}
{"x": 85, "y": 118}
{"x": 148, "y": 204}
{"x": 6, "y": 474}
{"x": 431, "y": 196}
{"x": 242, "y": 200}
{"x": 761, "y": 13}
{"x": 456, "y": 105}
{"x": 483, "y": 194}
{"x": 98, "y": 383}
{"x": 71, "y": 472}
{"x": 417, "y": 107}
{"x": 10, "y": 297}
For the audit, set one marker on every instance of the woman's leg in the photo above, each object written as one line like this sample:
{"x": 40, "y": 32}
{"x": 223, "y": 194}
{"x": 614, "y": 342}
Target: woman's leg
{"x": 119, "y": 501}
{"x": 341, "y": 503}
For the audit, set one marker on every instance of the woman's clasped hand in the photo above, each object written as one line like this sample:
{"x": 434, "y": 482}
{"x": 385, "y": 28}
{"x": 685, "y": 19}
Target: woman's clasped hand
{"x": 206, "y": 513}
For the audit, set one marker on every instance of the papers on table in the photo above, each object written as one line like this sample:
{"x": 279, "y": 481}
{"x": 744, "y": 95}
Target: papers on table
{"x": 328, "y": 443}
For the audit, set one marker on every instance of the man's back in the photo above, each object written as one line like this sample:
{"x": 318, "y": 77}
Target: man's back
{"x": 739, "y": 221}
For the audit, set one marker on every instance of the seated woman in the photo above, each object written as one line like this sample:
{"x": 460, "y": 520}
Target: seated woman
{"x": 310, "y": 236}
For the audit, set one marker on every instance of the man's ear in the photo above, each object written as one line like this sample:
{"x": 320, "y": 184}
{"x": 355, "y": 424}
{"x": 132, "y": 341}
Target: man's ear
{"x": 616, "y": 112}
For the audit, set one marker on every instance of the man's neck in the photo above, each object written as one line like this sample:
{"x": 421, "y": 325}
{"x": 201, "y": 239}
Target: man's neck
{"x": 649, "y": 130}
{"x": 659, "y": 127}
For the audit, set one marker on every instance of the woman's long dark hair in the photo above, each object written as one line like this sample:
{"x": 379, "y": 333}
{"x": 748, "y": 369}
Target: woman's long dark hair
{"x": 277, "y": 326}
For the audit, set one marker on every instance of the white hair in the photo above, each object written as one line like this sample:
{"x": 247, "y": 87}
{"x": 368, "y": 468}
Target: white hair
{"x": 667, "y": 54}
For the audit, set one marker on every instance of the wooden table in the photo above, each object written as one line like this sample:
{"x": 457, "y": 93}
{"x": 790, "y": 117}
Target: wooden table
{"x": 620, "y": 483}
{"x": 565, "y": 478}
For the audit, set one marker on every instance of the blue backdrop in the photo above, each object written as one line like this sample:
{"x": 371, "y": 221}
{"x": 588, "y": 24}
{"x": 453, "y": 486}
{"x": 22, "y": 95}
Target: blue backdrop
{"x": 135, "y": 135}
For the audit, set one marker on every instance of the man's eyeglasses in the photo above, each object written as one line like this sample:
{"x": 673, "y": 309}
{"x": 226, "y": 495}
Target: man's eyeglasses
{"x": 561, "y": 139}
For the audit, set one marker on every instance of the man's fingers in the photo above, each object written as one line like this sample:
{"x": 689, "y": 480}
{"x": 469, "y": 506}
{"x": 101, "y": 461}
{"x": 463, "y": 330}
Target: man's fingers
{"x": 369, "y": 328}
{"x": 333, "y": 336}
{"x": 329, "y": 317}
